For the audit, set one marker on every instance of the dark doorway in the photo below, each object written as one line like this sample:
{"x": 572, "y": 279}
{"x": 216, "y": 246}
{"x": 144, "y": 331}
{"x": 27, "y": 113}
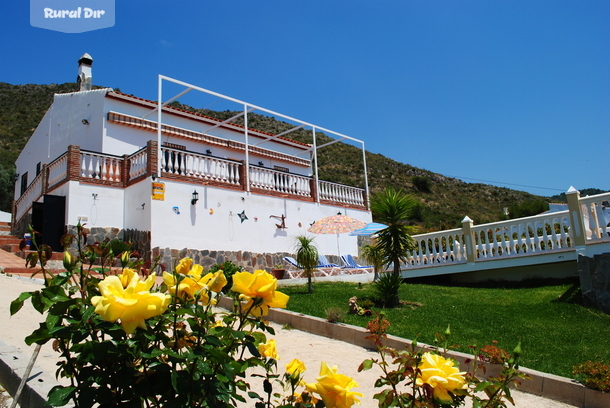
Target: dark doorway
{"x": 49, "y": 218}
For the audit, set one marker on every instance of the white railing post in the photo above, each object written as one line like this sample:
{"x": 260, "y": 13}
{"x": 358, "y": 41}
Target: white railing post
{"x": 470, "y": 242}
{"x": 577, "y": 227}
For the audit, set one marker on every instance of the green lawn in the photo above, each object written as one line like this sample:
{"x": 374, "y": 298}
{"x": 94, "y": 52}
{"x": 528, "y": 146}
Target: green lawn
{"x": 555, "y": 330}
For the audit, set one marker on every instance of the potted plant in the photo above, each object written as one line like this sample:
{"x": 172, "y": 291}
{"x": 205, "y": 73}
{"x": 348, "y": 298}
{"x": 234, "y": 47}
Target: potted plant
{"x": 278, "y": 271}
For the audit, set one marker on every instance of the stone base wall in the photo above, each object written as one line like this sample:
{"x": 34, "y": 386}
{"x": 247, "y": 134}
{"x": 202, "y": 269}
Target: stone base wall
{"x": 140, "y": 239}
{"x": 250, "y": 261}
{"x": 595, "y": 281}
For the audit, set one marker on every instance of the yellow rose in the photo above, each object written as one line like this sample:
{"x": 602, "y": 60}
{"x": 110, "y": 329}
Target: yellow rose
{"x": 258, "y": 285}
{"x": 441, "y": 375}
{"x": 268, "y": 349}
{"x": 126, "y": 276}
{"x": 132, "y": 304}
{"x": 295, "y": 368}
{"x": 193, "y": 284}
{"x": 334, "y": 388}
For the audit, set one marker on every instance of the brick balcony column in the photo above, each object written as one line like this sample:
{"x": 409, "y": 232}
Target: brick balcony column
{"x": 152, "y": 155}
{"x": 74, "y": 162}
{"x": 313, "y": 187}
{"x": 125, "y": 167}
{"x": 45, "y": 178}
{"x": 242, "y": 176}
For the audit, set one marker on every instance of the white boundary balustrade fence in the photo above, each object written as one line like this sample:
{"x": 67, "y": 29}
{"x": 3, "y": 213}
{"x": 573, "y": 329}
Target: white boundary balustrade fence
{"x": 587, "y": 220}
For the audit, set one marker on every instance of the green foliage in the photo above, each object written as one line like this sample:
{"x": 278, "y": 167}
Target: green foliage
{"x": 538, "y": 313}
{"x": 373, "y": 255}
{"x": 386, "y": 289}
{"x": 528, "y": 208}
{"x": 7, "y": 187}
{"x": 186, "y": 356}
{"x": 335, "y": 314}
{"x": 306, "y": 255}
{"x": 393, "y": 208}
{"x": 594, "y": 374}
{"x": 229, "y": 269}
{"x": 422, "y": 184}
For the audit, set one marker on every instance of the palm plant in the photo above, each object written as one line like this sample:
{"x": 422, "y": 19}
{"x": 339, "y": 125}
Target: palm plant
{"x": 307, "y": 257}
{"x": 372, "y": 254}
{"x": 393, "y": 207}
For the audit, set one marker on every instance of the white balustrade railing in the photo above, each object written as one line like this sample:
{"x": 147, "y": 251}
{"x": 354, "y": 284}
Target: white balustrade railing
{"x": 199, "y": 166}
{"x": 596, "y": 216}
{"x": 100, "y": 166}
{"x": 33, "y": 193}
{"x": 523, "y": 236}
{"x": 58, "y": 170}
{"x": 138, "y": 163}
{"x": 438, "y": 248}
{"x": 274, "y": 180}
{"x": 341, "y": 193}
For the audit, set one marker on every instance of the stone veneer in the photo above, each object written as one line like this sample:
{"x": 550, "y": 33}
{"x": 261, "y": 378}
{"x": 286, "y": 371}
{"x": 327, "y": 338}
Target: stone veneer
{"x": 250, "y": 261}
{"x": 140, "y": 239}
{"x": 595, "y": 281}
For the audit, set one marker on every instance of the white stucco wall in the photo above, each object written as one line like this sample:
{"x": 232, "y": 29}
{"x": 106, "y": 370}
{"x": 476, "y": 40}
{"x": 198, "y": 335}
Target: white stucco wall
{"x": 105, "y": 210}
{"x": 62, "y": 126}
{"x": 214, "y": 223}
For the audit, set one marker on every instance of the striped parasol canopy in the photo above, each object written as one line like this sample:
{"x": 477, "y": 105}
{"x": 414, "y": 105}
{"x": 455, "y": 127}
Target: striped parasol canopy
{"x": 369, "y": 229}
{"x": 336, "y": 224}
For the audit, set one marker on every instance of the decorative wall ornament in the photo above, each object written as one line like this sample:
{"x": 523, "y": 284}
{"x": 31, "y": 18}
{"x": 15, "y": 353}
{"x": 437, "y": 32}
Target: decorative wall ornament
{"x": 282, "y": 218}
{"x": 242, "y": 216}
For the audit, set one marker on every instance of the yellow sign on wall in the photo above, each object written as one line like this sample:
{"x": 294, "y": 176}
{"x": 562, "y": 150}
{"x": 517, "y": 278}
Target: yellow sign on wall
{"x": 158, "y": 191}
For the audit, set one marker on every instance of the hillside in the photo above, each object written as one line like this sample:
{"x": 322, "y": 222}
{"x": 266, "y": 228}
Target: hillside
{"x": 444, "y": 200}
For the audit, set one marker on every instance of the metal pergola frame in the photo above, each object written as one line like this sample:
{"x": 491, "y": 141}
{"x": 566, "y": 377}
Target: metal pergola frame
{"x": 247, "y": 108}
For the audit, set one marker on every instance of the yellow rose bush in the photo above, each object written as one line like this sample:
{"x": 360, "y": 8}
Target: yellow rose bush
{"x": 126, "y": 339}
{"x": 428, "y": 378}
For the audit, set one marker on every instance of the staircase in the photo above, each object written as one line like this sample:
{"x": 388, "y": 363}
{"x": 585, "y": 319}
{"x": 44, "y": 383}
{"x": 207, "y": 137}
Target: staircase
{"x": 12, "y": 259}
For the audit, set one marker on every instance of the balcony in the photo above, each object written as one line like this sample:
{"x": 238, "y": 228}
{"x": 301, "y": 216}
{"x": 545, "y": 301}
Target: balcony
{"x": 197, "y": 169}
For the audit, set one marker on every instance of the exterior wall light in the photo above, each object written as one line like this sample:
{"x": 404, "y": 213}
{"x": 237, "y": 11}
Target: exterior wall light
{"x": 208, "y": 152}
{"x": 195, "y": 198}
{"x": 85, "y": 122}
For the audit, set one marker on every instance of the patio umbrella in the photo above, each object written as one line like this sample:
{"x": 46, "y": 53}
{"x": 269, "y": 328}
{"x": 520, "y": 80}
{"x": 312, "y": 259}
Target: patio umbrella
{"x": 369, "y": 229}
{"x": 336, "y": 224}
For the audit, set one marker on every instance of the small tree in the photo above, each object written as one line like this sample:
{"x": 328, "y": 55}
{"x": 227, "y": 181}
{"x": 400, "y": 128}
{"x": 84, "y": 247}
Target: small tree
{"x": 372, "y": 254}
{"x": 393, "y": 208}
{"x": 307, "y": 257}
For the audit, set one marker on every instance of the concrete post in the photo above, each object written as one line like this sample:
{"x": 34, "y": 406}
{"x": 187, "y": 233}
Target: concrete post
{"x": 577, "y": 226}
{"x": 467, "y": 224}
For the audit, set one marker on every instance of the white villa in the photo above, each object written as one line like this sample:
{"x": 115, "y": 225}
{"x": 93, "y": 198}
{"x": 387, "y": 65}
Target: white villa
{"x": 196, "y": 186}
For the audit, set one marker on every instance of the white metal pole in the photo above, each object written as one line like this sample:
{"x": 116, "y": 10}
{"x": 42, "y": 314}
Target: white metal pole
{"x": 159, "y": 125}
{"x": 315, "y": 159}
{"x": 247, "y": 162}
{"x": 366, "y": 178}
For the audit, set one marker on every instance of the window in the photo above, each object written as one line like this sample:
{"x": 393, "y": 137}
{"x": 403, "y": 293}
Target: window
{"x": 24, "y": 182}
{"x": 38, "y": 168}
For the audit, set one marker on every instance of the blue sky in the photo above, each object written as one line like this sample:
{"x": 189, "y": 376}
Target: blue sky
{"x": 511, "y": 93}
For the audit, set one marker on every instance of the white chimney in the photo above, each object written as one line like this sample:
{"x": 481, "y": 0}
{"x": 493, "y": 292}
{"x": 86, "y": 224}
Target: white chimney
{"x": 84, "y": 72}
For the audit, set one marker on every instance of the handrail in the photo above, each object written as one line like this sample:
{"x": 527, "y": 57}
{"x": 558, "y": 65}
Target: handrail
{"x": 341, "y": 193}
{"x": 184, "y": 163}
{"x": 280, "y": 181}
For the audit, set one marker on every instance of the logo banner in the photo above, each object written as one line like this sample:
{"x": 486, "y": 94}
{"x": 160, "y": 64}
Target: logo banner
{"x": 72, "y": 16}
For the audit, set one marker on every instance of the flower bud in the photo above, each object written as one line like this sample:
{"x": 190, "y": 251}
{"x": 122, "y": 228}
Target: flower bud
{"x": 448, "y": 331}
{"x": 68, "y": 261}
{"x": 517, "y": 351}
{"x": 125, "y": 258}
